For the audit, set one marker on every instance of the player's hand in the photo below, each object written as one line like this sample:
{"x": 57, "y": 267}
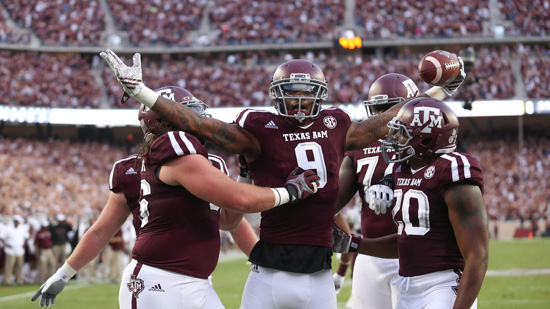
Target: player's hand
{"x": 129, "y": 77}
{"x": 301, "y": 185}
{"x": 342, "y": 242}
{"x": 338, "y": 282}
{"x": 53, "y": 286}
{"x": 451, "y": 87}
{"x": 244, "y": 172}
{"x": 379, "y": 197}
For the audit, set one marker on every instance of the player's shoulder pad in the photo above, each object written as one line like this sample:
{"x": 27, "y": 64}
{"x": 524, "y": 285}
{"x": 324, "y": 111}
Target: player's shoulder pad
{"x": 218, "y": 162}
{"x": 248, "y": 113}
{"x": 174, "y": 144}
{"x": 333, "y": 110}
{"x": 460, "y": 167}
{"x": 124, "y": 168}
{"x": 339, "y": 114}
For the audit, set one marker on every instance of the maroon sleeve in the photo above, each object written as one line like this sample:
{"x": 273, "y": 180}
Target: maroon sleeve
{"x": 174, "y": 144}
{"x": 462, "y": 168}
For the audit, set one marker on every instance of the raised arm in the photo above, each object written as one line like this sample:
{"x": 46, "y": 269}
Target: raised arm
{"x": 229, "y": 137}
{"x": 469, "y": 219}
{"x": 363, "y": 133}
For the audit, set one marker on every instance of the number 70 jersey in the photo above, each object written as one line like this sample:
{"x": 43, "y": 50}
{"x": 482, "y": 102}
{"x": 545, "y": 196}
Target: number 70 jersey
{"x": 426, "y": 240}
{"x": 283, "y": 146}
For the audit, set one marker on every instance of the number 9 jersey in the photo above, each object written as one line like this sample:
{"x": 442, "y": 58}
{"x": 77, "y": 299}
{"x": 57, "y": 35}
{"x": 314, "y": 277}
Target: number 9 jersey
{"x": 283, "y": 146}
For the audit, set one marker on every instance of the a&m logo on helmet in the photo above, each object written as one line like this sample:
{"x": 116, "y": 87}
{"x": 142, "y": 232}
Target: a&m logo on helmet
{"x": 169, "y": 94}
{"x": 412, "y": 90}
{"x": 427, "y": 118}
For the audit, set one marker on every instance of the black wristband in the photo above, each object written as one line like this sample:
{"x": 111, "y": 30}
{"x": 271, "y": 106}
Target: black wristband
{"x": 387, "y": 181}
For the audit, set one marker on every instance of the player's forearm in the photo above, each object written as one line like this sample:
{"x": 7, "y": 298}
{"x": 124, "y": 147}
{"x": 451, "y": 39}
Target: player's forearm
{"x": 382, "y": 247}
{"x": 179, "y": 115}
{"x": 224, "y": 135}
{"x": 471, "y": 281}
{"x": 89, "y": 247}
{"x": 230, "y": 220}
{"x": 245, "y": 237}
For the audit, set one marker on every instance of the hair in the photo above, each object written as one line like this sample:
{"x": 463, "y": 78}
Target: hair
{"x": 155, "y": 131}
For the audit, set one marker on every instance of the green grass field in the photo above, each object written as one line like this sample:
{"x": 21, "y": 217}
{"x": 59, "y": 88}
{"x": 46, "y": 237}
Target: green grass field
{"x": 518, "y": 277}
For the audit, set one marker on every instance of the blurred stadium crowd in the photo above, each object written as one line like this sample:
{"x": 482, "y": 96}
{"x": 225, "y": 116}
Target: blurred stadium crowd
{"x": 44, "y": 178}
{"x": 228, "y": 22}
{"x": 74, "y": 79}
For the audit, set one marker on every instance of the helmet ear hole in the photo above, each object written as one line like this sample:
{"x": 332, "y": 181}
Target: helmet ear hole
{"x": 426, "y": 141}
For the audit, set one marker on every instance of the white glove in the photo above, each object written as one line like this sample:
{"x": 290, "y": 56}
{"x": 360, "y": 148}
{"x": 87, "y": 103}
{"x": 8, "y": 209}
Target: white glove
{"x": 130, "y": 77}
{"x": 379, "y": 197}
{"x": 445, "y": 91}
{"x": 338, "y": 282}
{"x": 54, "y": 285}
{"x": 451, "y": 87}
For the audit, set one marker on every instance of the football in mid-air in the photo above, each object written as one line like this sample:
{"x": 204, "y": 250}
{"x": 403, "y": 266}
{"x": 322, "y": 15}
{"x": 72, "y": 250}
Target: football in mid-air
{"x": 439, "y": 67}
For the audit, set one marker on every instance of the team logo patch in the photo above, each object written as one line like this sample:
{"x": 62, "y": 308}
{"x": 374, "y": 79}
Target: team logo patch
{"x": 156, "y": 288}
{"x": 135, "y": 286}
{"x": 330, "y": 122}
{"x": 429, "y": 173}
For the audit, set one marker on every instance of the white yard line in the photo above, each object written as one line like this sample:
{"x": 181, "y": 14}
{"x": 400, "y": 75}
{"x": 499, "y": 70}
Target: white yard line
{"x": 29, "y": 295}
{"x": 518, "y": 272}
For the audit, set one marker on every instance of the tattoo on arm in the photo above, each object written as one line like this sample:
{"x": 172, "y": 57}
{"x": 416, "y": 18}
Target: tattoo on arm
{"x": 468, "y": 207}
{"x": 221, "y": 134}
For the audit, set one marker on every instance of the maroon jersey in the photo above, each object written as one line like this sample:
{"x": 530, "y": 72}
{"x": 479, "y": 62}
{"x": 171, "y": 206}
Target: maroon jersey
{"x": 218, "y": 162}
{"x": 320, "y": 147}
{"x": 43, "y": 239}
{"x": 179, "y": 231}
{"x": 125, "y": 178}
{"x": 370, "y": 167}
{"x": 426, "y": 241}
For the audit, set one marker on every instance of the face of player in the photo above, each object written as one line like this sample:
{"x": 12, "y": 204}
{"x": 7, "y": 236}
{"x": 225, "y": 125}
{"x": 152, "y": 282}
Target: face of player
{"x": 299, "y": 103}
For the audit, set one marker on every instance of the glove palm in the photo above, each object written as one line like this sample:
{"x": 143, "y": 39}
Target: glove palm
{"x": 51, "y": 288}
{"x": 129, "y": 77}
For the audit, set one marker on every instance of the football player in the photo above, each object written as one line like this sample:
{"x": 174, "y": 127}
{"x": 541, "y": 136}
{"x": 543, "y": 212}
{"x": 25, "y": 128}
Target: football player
{"x": 291, "y": 263}
{"x": 442, "y": 233}
{"x": 124, "y": 184}
{"x": 372, "y": 277}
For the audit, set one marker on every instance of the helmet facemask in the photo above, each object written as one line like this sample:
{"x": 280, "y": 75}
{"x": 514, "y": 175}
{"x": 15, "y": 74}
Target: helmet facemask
{"x": 397, "y": 142}
{"x": 286, "y": 89}
{"x": 380, "y": 103}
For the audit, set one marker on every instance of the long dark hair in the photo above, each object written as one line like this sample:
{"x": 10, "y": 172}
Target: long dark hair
{"x": 155, "y": 131}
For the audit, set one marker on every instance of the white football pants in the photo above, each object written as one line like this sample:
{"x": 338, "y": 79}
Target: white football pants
{"x": 372, "y": 282}
{"x": 268, "y": 288}
{"x": 148, "y": 287}
{"x": 431, "y": 291}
